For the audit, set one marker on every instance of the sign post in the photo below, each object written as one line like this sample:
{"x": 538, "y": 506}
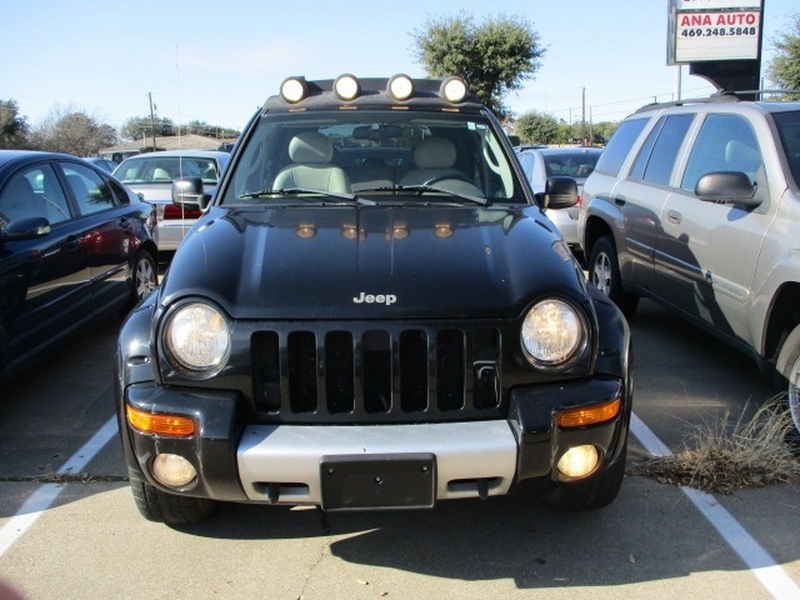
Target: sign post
{"x": 720, "y": 40}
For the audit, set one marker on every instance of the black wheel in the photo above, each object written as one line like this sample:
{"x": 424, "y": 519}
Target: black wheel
{"x": 171, "y": 509}
{"x": 144, "y": 275}
{"x": 604, "y": 273}
{"x": 590, "y": 494}
{"x": 787, "y": 375}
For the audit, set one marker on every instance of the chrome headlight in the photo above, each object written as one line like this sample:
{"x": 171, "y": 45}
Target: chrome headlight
{"x": 553, "y": 333}
{"x": 197, "y": 340}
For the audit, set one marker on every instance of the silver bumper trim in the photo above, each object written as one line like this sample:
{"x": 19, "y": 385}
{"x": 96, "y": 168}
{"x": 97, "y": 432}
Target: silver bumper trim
{"x": 280, "y": 464}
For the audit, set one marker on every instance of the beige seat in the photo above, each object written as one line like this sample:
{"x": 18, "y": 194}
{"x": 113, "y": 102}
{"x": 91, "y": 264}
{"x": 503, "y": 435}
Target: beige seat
{"x": 433, "y": 159}
{"x": 311, "y": 155}
{"x": 160, "y": 174}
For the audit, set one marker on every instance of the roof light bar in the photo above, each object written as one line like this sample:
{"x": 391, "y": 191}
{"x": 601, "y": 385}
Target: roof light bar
{"x": 347, "y": 87}
{"x": 454, "y": 90}
{"x": 400, "y": 87}
{"x": 294, "y": 89}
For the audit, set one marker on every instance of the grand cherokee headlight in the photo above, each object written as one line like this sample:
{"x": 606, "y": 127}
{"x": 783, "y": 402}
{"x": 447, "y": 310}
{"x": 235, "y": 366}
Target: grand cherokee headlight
{"x": 197, "y": 340}
{"x": 553, "y": 333}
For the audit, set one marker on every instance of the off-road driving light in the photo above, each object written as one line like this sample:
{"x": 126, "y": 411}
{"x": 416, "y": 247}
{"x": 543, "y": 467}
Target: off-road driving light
{"x": 197, "y": 340}
{"x": 173, "y": 470}
{"x": 400, "y": 87}
{"x": 454, "y": 89}
{"x": 294, "y": 89}
{"x": 172, "y": 425}
{"x": 578, "y": 461}
{"x": 347, "y": 87}
{"x": 552, "y": 333}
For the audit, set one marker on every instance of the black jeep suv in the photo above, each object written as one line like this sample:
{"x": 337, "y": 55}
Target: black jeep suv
{"x": 373, "y": 312}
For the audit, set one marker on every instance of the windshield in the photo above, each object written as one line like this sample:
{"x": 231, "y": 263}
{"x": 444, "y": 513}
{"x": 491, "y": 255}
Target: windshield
{"x": 373, "y": 156}
{"x": 789, "y": 129}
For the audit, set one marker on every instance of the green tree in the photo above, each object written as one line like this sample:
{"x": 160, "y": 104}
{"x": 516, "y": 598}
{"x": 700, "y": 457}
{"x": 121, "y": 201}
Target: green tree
{"x": 494, "y": 57}
{"x": 784, "y": 70}
{"x": 13, "y": 128}
{"x": 137, "y": 128}
{"x": 537, "y": 128}
{"x": 73, "y": 132}
{"x": 203, "y": 128}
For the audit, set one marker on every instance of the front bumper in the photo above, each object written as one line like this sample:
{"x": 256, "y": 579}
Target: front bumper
{"x": 282, "y": 464}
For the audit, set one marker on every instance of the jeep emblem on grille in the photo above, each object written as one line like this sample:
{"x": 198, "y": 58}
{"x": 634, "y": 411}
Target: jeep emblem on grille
{"x": 387, "y": 299}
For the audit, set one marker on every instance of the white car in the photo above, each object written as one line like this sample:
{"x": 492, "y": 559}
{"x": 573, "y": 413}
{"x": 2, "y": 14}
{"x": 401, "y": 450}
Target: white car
{"x": 151, "y": 175}
{"x": 576, "y": 162}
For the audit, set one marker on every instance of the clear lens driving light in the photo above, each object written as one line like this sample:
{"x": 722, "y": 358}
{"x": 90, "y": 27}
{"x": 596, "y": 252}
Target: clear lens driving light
{"x": 579, "y": 461}
{"x": 454, "y": 89}
{"x": 552, "y": 333}
{"x": 198, "y": 339}
{"x": 173, "y": 470}
{"x": 346, "y": 87}
{"x": 401, "y": 87}
{"x": 293, "y": 89}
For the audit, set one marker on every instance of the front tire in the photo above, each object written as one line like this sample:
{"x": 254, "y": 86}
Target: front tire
{"x": 787, "y": 375}
{"x": 604, "y": 273}
{"x": 172, "y": 509}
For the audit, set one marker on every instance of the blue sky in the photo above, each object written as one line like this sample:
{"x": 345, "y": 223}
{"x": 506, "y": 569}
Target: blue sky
{"x": 218, "y": 61}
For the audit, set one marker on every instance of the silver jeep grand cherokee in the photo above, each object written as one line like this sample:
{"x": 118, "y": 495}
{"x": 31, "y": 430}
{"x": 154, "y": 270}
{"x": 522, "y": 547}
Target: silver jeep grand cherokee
{"x": 696, "y": 204}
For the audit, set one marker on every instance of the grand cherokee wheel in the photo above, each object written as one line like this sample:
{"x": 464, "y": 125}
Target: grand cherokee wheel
{"x": 604, "y": 273}
{"x": 788, "y": 374}
{"x": 162, "y": 507}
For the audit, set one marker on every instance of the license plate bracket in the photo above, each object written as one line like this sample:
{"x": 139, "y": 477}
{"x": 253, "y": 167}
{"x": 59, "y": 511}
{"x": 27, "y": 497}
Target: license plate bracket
{"x": 378, "y": 481}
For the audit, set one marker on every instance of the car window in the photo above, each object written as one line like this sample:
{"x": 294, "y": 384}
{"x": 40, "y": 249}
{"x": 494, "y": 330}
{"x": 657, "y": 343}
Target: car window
{"x": 570, "y": 164}
{"x": 619, "y": 145}
{"x": 789, "y": 131}
{"x": 163, "y": 169}
{"x": 91, "y": 191}
{"x": 656, "y": 158}
{"x": 34, "y": 192}
{"x": 526, "y": 162}
{"x": 725, "y": 143}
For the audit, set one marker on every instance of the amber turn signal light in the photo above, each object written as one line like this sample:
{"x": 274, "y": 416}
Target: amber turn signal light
{"x": 583, "y": 416}
{"x": 173, "y": 425}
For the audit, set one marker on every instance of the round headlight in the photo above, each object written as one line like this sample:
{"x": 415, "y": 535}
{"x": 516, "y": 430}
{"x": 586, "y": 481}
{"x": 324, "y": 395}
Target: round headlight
{"x": 552, "y": 333}
{"x": 197, "y": 340}
{"x": 293, "y": 89}
{"x": 346, "y": 87}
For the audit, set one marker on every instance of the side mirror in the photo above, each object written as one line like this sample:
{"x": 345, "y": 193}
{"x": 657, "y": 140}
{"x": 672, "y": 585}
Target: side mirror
{"x": 559, "y": 192}
{"x": 190, "y": 192}
{"x": 727, "y": 187}
{"x": 25, "y": 229}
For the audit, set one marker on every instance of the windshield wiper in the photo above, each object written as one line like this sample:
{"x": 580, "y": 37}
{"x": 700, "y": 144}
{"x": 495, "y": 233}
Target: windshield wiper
{"x": 297, "y": 190}
{"x": 423, "y": 188}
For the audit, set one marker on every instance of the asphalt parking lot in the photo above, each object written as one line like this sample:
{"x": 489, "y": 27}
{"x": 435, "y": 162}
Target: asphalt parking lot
{"x": 85, "y": 539}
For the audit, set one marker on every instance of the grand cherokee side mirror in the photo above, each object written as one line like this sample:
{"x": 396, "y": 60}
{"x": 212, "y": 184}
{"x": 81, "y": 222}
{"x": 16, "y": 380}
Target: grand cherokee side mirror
{"x": 559, "y": 192}
{"x": 190, "y": 192}
{"x": 727, "y": 187}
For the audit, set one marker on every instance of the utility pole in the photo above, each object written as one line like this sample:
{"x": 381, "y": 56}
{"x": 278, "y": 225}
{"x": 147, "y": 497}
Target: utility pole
{"x": 152, "y": 120}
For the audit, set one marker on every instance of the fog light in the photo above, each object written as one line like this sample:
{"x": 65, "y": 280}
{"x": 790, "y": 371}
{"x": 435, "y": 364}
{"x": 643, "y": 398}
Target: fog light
{"x": 173, "y": 470}
{"x": 579, "y": 461}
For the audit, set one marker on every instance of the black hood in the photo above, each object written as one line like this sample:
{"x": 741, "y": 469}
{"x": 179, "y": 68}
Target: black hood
{"x": 371, "y": 262}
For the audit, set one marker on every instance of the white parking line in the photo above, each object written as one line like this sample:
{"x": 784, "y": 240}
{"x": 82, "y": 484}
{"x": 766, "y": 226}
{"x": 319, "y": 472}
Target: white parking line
{"x": 758, "y": 560}
{"x": 44, "y": 497}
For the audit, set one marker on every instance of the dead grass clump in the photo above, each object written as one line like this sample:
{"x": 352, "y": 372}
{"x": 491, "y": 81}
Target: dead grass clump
{"x": 721, "y": 457}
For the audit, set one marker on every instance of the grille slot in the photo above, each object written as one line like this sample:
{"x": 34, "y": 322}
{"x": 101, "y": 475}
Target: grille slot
{"x": 377, "y": 375}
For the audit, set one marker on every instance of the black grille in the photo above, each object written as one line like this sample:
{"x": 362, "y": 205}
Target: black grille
{"x": 377, "y": 375}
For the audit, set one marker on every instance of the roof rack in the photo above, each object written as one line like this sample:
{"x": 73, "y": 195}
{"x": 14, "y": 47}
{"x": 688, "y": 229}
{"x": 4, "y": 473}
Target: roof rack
{"x": 720, "y": 96}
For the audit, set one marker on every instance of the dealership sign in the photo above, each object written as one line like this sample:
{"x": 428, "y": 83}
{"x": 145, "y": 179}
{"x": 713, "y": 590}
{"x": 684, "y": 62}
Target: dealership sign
{"x": 713, "y": 30}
